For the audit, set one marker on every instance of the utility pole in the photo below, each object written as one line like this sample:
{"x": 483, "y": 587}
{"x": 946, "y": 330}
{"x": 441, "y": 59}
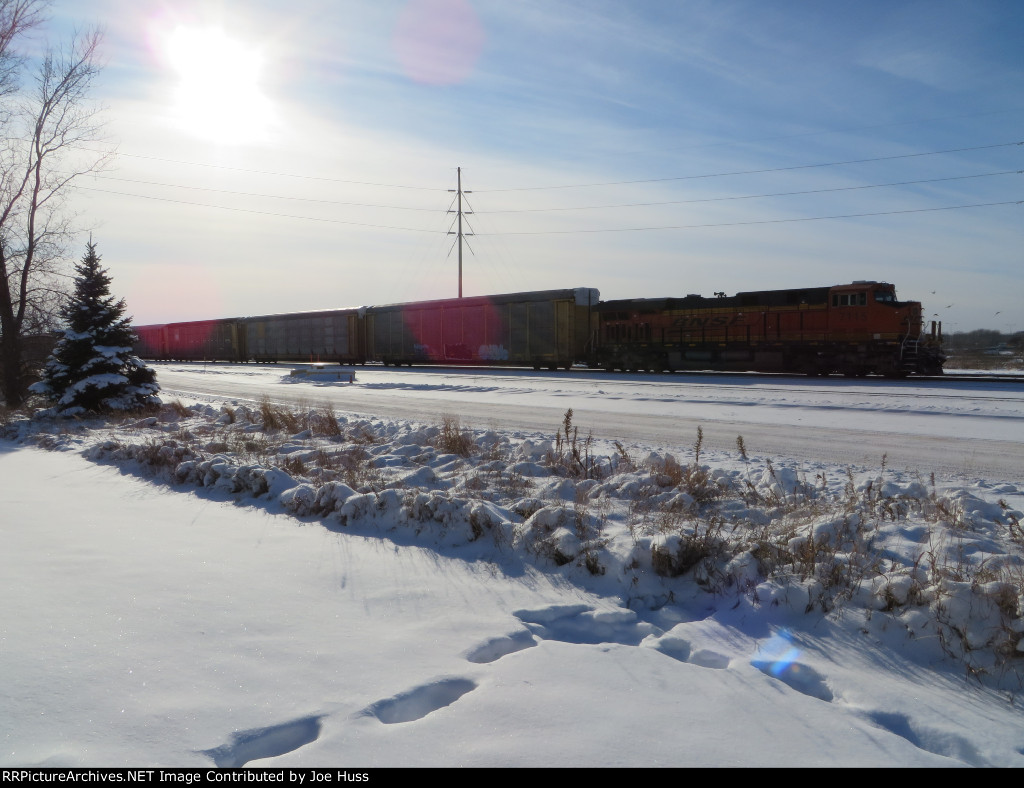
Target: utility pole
{"x": 459, "y": 192}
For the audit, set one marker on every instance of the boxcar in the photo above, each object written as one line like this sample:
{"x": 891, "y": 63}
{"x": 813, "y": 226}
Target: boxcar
{"x": 549, "y": 328}
{"x": 200, "y": 340}
{"x": 150, "y": 341}
{"x": 330, "y": 335}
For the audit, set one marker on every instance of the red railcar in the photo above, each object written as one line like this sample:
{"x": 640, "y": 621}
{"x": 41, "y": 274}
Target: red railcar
{"x": 548, "y": 328}
{"x": 150, "y": 342}
{"x": 856, "y": 329}
{"x": 199, "y": 340}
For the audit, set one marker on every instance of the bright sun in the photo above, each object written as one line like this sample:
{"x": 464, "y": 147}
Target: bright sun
{"x": 218, "y": 96}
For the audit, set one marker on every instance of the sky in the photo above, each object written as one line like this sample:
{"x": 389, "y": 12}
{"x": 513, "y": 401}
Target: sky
{"x": 182, "y": 613}
{"x": 285, "y": 158}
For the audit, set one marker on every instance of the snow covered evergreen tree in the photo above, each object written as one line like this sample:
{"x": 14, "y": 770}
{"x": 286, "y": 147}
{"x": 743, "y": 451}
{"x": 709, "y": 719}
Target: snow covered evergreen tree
{"x": 92, "y": 368}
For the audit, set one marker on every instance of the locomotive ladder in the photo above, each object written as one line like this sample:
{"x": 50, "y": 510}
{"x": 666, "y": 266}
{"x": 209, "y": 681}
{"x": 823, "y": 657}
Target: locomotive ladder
{"x": 908, "y": 354}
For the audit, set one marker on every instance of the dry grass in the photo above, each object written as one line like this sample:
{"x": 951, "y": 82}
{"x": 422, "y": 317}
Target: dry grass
{"x": 277, "y": 417}
{"x": 453, "y": 439}
{"x": 324, "y": 421}
{"x": 571, "y": 456}
{"x": 179, "y": 408}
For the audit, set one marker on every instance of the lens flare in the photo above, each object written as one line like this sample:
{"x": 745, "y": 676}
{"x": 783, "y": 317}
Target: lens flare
{"x": 777, "y": 655}
{"x": 438, "y": 42}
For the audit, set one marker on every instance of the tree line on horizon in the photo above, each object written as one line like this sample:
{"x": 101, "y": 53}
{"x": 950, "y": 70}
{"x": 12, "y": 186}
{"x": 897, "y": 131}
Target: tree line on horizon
{"x": 982, "y": 339}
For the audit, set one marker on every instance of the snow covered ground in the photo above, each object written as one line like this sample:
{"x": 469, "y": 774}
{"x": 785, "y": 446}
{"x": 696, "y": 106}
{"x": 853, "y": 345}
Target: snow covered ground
{"x": 202, "y": 587}
{"x": 832, "y": 420}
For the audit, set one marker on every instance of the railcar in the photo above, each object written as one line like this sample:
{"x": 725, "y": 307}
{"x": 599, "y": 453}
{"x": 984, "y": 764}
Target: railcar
{"x": 855, "y": 329}
{"x": 329, "y": 335}
{"x": 859, "y": 328}
{"x": 549, "y": 328}
{"x": 199, "y": 340}
{"x": 149, "y": 342}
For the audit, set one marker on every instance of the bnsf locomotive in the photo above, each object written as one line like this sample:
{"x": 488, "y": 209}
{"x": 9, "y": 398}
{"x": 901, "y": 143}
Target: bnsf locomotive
{"x": 855, "y": 329}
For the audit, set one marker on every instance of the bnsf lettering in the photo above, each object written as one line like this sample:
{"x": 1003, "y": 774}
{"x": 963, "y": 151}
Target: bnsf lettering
{"x": 708, "y": 321}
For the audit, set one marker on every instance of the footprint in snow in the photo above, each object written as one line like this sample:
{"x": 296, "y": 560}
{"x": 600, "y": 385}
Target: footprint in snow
{"x": 420, "y": 701}
{"x": 582, "y": 624}
{"x": 779, "y": 657}
{"x": 258, "y": 743}
{"x": 495, "y": 648}
{"x": 681, "y": 649}
{"x": 949, "y": 744}
{"x": 802, "y": 678}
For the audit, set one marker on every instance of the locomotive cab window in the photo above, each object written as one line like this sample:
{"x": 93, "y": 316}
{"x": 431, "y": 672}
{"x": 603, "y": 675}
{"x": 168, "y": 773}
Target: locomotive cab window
{"x": 885, "y": 297}
{"x": 849, "y": 299}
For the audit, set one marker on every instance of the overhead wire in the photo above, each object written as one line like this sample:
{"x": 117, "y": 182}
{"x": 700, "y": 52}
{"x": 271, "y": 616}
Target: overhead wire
{"x": 257, "y": 194}
{"x": 564, "y": 232}
{"x": 577, "y": 185}
{"x": 754, "y": 196}
{"x": 753, "y": 172}
{"x": 260, "y": 213}
{"x": 571, "y": 208}
{"x": 761, "y": 221}
{"x": 264, "y": 172}
{"x": 501, "y": 269}
{"x": 563, "y": 208}
{"x": 421, "y": 268}
{"x": 849, "y": 129}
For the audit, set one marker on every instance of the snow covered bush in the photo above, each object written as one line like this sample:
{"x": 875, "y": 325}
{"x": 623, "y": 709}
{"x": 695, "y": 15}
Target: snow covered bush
{"x": 939, "y": 563}
{"x": 92, "y": 368}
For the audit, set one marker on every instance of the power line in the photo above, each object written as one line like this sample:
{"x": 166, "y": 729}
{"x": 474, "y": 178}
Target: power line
{"x": 258, "y": 194}
{"x": 264, "y": 172}
{"x": 553, "y": 232}
{"x": 260, "y": 213}
{"x": 849, "y": 129}
{"x": 753, "y": 196}
{"x": 537, "y": 188}
{"x": 762, "y": 221}
{"x": 753, "y": 172}
{"x": 572, "y": 208}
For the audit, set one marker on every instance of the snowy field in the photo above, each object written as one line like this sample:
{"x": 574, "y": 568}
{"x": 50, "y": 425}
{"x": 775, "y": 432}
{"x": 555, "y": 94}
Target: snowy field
{"x": 427, "y": 568}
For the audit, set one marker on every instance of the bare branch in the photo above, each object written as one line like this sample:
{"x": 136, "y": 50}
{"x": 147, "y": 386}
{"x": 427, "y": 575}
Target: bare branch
{"x": 40, "y": 158}
{"x": 17, "y": 18}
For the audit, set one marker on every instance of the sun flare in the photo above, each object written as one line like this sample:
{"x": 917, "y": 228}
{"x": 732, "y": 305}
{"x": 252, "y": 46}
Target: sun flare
{"x": 218, "y": 95}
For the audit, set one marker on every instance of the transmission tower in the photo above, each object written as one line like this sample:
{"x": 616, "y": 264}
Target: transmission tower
{"x": 460, "y": 213}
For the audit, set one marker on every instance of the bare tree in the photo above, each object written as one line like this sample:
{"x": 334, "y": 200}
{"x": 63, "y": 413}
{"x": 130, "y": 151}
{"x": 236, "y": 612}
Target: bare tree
{"x": 46, "y": 132}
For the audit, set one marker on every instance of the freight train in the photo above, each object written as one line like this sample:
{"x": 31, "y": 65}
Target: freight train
{"x": 859, "y": 328}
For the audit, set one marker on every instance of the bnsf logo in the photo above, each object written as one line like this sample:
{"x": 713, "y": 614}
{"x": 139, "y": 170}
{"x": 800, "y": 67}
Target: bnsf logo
{"x": 708, "y": 321}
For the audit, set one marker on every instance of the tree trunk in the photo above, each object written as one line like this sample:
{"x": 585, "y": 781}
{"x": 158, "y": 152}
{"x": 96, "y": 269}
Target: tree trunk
{"x": 11, "y": 378}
